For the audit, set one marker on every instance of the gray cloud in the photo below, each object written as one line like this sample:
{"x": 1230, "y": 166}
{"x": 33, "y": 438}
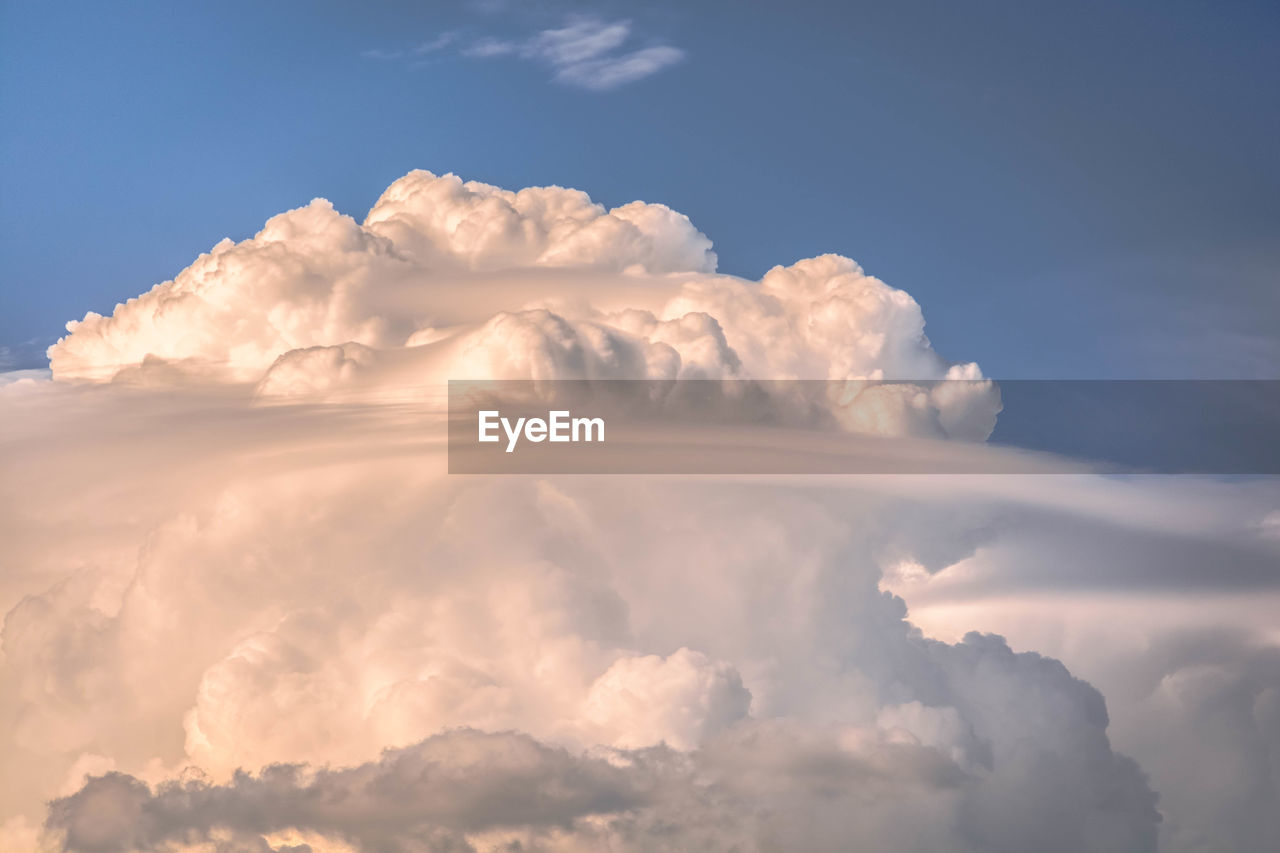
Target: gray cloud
{"x": 760, "y": 786}
{"x": 1201, "y": 706}
{"x": 429, "y": 794}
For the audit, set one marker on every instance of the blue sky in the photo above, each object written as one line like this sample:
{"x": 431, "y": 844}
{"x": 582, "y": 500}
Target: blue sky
{"x": 1070, "y": 190}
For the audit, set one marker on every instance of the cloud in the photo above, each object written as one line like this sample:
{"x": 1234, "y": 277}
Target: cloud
{"x": 431, "y": 794}
{"x": 381, "y": 54}
{"x": 445, "y": 275}
{"x": 315, "y": 277}
{"x": 321, "y": 609}
{"x": 467, "y": 790}
{"x": 489, "y": 47}
{"x": 1191, "y": 685}
{"x": 680, "y": 699}
{"x": 436, "y": 44}
{"x": 25, "y": 355}
{"x": 287, "y": 624}
{"x": 1220, "y": 785}
{"x": 611, "y": 72}
{"x": 422, "y": 49}
{"x": 586, "y": 52}
{"x": 580, "y": 39}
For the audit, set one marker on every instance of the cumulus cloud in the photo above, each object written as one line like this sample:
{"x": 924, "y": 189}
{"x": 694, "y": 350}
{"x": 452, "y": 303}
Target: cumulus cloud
{"x": 315, "y": 277}
{"x": 445, "y": 275}
{"x": 1223, "y": 685}
{"x": 1191, "y": 685}
{"x": 253, "y": 610}
{"x": 794, "y": 685}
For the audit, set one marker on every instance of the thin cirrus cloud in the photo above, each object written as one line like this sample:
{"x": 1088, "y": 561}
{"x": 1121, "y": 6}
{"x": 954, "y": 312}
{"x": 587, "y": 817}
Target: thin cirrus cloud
{"x": 585, "y": 53}
{"x": 611, "y": 72}
{"x": 435, "y": 45}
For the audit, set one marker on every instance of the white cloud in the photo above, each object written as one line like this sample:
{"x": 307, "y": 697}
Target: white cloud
{"x": 614, "y": 71}
{"x": 422, "y": 49}
{"x": 436, "y": 44}
{"x": 489, "y": 47}
{"x": 586, "y": 52}
{"x": 310, "y": 300}
{"x": 381, "y": 54}
{"x": 679, "y": 700}
{"x": 581, "y": 38}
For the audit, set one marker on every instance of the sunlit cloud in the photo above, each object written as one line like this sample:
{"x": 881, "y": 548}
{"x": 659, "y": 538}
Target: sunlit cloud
{"x": 251, "y": 600}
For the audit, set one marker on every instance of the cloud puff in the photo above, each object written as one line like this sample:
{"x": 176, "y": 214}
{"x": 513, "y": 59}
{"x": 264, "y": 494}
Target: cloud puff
{"x": 679, "y": 699}
{"x": 313, "y": 277}
{"x": 1191, "y": 685}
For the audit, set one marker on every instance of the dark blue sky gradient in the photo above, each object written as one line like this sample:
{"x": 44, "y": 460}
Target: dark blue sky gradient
{"x": 1069, "y": 189}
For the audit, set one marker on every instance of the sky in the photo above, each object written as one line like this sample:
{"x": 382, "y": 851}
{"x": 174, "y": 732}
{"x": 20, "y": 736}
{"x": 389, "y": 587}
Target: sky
{"x": 249, "y": 603}
{"x": 1083, "y": 191}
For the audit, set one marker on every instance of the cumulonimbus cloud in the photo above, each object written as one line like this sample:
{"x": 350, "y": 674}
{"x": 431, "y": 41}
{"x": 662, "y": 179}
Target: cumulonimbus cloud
{"x": 259, "y": 626}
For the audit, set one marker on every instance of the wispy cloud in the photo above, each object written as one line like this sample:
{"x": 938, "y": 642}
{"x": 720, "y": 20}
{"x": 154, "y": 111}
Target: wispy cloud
{"x": 614, "y": 71}
{"x": 489, "y": 47}
{"x": 435, "y": 45}
{"x": 579, "y": 40}
{"x": 25, "y": 355}
{"x": 381, "y": 54}
{"x": 586, "y": 52}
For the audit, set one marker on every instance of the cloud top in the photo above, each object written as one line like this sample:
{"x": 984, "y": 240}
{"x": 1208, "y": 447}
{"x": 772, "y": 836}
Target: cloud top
{"x": 453, "y": 279}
